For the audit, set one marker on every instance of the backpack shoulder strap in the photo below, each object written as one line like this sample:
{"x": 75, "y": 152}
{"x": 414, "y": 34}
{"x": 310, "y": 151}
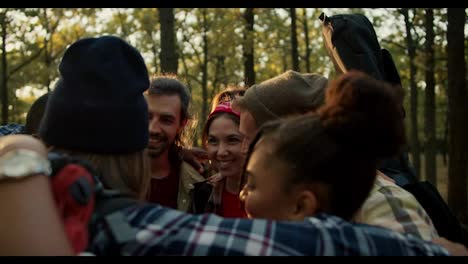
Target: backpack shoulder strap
{"x": 107, "y": 206}
{"x": 106, "y": 211}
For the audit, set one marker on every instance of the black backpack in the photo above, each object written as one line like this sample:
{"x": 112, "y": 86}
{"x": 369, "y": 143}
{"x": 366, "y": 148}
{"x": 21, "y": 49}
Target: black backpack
{"x": 357, "y": 47}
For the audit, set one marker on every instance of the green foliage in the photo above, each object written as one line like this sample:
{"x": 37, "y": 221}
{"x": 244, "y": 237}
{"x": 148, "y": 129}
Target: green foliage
{"x": 37, "y": 38}
{"x": 395, "y": 43}
{"x": 147, "y": 23}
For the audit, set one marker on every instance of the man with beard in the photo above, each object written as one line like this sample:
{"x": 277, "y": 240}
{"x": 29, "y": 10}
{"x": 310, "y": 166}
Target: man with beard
{"x": 172, "y": 178}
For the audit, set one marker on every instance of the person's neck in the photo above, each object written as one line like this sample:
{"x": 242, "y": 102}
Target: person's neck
{"x": 232, "y": 185}
{"x": 160, "y": 165}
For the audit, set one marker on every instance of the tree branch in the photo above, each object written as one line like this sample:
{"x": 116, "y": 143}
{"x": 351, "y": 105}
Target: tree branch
{"x": 52, "y": 32}
{"x": 24, "y": 63}
{"x": 189, "y": 76}
{"x": 194, "y": 78}
{"x": 197, "y": 54}
{"x": 394, "y": 44}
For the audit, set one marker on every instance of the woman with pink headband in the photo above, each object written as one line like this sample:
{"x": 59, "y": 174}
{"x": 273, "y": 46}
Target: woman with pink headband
{"x": 222, "y": 141}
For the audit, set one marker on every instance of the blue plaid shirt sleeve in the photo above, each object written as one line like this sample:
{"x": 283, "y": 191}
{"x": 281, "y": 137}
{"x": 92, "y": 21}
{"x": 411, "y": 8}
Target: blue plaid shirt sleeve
{"x": 155, "y": 230}
{"x": 10, "y": 129}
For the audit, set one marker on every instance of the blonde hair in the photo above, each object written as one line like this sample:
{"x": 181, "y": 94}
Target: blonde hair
{"x": 128, "y": 173}
{"x": 229, "y": 94}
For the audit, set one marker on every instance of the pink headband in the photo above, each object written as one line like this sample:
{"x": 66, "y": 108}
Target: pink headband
{"x": 224, "y": 107}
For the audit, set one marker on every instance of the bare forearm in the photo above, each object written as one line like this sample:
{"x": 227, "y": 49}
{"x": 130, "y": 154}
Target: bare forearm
{"x": 30, "y": 223}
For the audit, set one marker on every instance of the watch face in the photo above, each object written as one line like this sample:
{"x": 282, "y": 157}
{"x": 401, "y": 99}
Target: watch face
{"x": 24, "y": 163}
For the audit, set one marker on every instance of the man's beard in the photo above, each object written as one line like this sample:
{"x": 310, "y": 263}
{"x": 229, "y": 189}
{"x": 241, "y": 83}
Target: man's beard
{"x": 155, "y": 151}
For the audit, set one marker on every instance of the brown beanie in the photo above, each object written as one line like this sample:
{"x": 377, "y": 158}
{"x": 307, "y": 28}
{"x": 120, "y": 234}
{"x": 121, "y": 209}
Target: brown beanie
{"x": 286, "y": 94}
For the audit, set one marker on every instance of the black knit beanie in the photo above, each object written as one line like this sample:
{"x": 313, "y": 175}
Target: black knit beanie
{"x": 97, "y": 105}
{"x": 35, "y": 114}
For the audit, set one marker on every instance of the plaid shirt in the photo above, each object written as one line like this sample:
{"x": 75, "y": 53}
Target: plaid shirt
{"x": 393, "y": 207}
{"x": 151, "y": 229}
{"x": 10, "y": 129}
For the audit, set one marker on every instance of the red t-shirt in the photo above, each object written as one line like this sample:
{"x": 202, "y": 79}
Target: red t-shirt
{"x": 165, "y": 191}
{"x": 231, "y": 206}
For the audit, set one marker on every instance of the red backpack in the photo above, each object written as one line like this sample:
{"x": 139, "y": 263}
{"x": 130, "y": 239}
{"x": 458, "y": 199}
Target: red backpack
{"x": 73, "y": 189}
{"x": 81, "y": 198}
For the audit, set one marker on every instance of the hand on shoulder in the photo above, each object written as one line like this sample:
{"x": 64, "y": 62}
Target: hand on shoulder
{"x": 215, "y": 179}
{"x": 195, "y": 157}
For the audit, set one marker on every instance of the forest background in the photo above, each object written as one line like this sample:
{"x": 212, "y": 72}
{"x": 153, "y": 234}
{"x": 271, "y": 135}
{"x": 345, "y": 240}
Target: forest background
{"x": 212, "y": 48}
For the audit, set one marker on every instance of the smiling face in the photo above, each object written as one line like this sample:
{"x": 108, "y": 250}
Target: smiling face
{"x": 223, "y": 146}
{"x": 265, "y": 194}
{"x": 270, "y": 192}
{"x": 164, "y": 122}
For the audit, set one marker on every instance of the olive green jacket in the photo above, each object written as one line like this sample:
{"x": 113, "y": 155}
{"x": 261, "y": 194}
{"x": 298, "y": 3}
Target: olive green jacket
{"x": 188, "y": 176}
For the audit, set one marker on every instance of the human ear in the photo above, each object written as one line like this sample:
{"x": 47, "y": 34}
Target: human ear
{"x": 306, "y": 204}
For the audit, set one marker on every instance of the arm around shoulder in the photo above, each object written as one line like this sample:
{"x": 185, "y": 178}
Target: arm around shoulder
{"x": 30, "y": 222}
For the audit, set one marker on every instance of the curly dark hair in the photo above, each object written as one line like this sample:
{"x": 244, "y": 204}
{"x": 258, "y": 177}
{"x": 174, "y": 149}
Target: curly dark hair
{"x": 337, "y": 148}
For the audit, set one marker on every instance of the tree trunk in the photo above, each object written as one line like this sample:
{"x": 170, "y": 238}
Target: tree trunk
{"x": 284, "y": 58}
{"x": 445, "y": 140}
{"x": 47, "y": 38}
{"x": 47, "y": 62}
{"x": 205, "y": 70}
{"x": 306, "y": 39}
{"x": 411, "y": 47}
{"x": 50, "y": 24}
{"x": 249, "y": 70}
{"x": 168, "y": 55}
{"x": 218, "y": 75}
{"x": 4, "y": 94}
{"x": 458, "y": 114}
{"x": 224, "y": 77}
{"x": 294, "y": 52}
{"x": 429, "y": 102}
{"x": 123, "y": 24}
{"x": 154, "y": 49}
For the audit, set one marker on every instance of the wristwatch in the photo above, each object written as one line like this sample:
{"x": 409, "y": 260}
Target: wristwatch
{"x": 20, "y": 163}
